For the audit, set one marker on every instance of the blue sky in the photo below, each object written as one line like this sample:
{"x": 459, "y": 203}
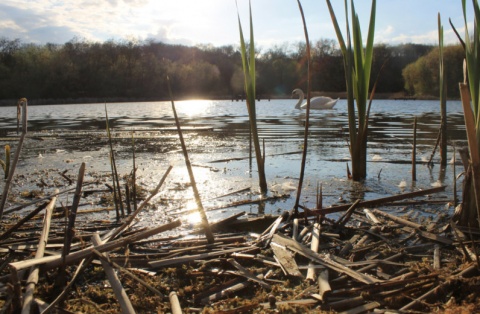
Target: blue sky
{"x": 192, "y": 22}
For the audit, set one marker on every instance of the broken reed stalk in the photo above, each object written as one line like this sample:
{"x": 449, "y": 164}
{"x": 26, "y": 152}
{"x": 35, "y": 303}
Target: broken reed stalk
{"x": 139, "y": 209}
{"x": 307, "y": 114}
{"x": 42, "y": 243}
{"x": 134, "y": 174}
{"x": 414, "y": 151}
{"x": 115, "y": 283}
{"x": 430, "y": 160}
{"x": 198, "y": 201}
{"x": 73, "y": 211}
{"x": 117, "y": 193}
{"x": 455, "y": 200}
{"x": 6, "y": 164}
{"x": 69, "y": 229}
{"x": 16, "y": 157}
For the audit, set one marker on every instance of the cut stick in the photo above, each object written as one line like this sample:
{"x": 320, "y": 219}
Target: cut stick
{"x": 115, "y": 283}
{"x": 33, "y": 277}
{"x": 323, "y": 284}
{"x": 175, "y": 303}
{"x": 295, "y": 229}
{"x": 314, "y": 247}
{"x": 436, "y": 257}
{"x": 371, "y": 216}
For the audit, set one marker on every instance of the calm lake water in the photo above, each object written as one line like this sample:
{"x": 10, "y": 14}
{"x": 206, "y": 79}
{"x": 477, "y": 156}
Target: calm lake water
{"x": 217, "y": 133}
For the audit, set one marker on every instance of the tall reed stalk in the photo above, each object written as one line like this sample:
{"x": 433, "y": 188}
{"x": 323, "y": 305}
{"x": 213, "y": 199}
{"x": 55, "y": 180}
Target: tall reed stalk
{"x": 248, "y": 63}
{"x": 357, "y": 63}
{"x": 470, "y": 94}
{"x": 443, "y": 98}
{"x": 307, "y": 114}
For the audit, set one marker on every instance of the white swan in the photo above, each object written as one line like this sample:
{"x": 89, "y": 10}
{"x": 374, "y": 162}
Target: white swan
{"x": 318, "y": 103}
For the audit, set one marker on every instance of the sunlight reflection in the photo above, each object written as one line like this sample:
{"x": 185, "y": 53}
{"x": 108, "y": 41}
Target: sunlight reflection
{"x": 192, "y": 218}
{"x": 193, "y": 108}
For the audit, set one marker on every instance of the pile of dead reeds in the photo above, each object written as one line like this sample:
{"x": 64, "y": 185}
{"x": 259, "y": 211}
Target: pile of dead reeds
{"x": 365, "y": 260}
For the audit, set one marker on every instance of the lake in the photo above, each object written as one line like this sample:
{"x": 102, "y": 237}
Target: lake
{"x": 216, "y": 135}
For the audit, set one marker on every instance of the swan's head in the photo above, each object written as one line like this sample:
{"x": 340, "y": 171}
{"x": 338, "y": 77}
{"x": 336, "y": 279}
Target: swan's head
{"x": 296, "y": 92}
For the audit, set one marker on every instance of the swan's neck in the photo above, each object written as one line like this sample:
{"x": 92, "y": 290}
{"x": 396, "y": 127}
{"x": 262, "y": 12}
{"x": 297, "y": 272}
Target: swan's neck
{"x": 300, "y": 100}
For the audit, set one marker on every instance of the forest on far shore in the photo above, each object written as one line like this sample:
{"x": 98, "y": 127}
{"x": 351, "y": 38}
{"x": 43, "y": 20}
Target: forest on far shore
{"x": 83, "y": 71}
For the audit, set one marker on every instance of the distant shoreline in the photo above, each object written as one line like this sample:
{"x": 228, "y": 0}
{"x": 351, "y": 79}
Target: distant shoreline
{"x": 92, "y": 100}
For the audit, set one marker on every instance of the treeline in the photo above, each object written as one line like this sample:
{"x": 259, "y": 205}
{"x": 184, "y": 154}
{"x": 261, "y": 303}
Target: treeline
{"x": 82, "y": 70}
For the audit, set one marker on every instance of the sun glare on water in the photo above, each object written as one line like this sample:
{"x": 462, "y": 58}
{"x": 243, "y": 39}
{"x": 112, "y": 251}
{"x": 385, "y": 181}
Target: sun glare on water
{"x": 193, "y": 218}
{"x": 193, "y": 108}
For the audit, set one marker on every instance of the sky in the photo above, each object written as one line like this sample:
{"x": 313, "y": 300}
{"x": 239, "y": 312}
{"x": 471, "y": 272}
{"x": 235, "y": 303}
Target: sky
{"x": 215, "y": 22}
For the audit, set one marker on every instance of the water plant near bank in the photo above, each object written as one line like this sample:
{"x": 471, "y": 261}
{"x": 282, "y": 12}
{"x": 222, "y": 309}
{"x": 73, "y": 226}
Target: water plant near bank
{"x": 248, "y": 64}
{"x": 357, "y": 63}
